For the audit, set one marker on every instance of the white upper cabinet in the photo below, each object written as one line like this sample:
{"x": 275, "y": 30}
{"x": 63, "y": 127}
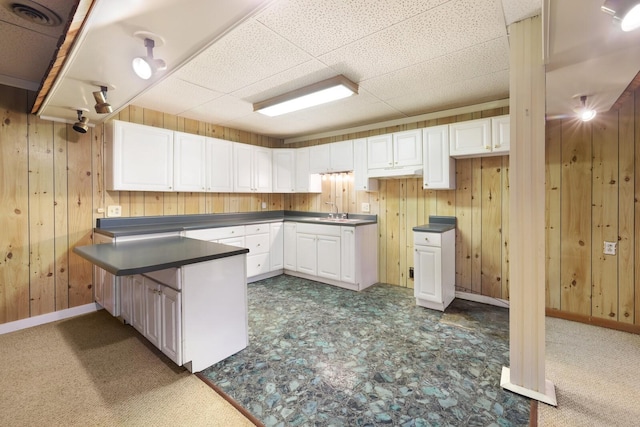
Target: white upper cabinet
{"x": 394, "y": 150}
{"x": 439, "y": 168}
{"x": 407, "y": 148}
{"x": 284, "y": 171}
{"x": 252, "y": 169}
{"x": 139, "y": 158}
{"x": 333, "y": 157}
{"x": 219, "y": 165}
{"x": 478, "y": 138}
{"x": 500, "y": 134}
{"x": 189, "y": 158}
{"x": 361, "y": 180}
{"x": 306, "y": 182}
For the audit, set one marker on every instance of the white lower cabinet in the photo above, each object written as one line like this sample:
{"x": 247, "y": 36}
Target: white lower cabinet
{"x": 107, "y": 290}
{"x": 344, "y": 256}
{"x": 276, "y": 253}
{"x": 152, "y": 307}
{"x": 137, "y": 303}
{"x": 171, "y": 332}
{"x": 434, "y": 263}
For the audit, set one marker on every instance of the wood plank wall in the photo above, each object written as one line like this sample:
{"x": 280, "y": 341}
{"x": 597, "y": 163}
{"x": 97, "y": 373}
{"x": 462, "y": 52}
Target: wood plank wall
{"x": 480, "y": 203}
{"x": 51, "y": 183}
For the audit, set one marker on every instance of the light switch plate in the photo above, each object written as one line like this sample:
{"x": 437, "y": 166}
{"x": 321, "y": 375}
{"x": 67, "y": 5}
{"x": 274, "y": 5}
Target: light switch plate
{"x": 366, "y": 207}
{"x": 114, "y": 211}
{"x": 609, "y": 248}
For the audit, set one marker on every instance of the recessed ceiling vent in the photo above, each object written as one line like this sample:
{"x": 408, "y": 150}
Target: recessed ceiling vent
{"x": 35, "y": 13}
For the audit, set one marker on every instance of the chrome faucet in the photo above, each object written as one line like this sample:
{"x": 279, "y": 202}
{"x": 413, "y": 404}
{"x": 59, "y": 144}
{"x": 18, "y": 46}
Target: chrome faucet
{"x": 335, "y": 207}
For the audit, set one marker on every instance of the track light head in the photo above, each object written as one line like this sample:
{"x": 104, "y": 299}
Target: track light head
{"x": 145, "y": 67}
{"x": 585, "y": 113}
{"x": 81, "y": 126}
{"x": 102, "y": 106}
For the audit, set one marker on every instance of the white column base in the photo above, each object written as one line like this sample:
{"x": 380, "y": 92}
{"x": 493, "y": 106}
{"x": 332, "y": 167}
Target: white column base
{"x": 548, "y": 397}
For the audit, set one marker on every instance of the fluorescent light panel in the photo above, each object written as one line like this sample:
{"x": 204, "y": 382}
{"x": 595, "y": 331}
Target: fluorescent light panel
{"x": 329, "y": 90}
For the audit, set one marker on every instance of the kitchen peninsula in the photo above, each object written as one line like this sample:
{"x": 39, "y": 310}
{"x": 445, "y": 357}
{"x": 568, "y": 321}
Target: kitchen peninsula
{"x": 188, "y": 297}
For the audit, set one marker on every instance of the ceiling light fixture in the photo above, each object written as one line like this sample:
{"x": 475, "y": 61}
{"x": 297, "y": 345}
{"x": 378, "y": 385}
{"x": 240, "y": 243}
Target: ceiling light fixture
{"x": 145, "y": 67}
{"x": 81, "y": 125}
{"x": 102, "y": 106}
{"x": 585, "y": 113}
{"x": 329, "y": 90}
{"x": 627, "y": 12}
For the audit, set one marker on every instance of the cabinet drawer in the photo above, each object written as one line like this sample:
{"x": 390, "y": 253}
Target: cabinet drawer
{"x": 257, "y": 243}
{"x": 256, "y": 228}
{"x": 233, "y": 241}
{"x": 215, "y": 233}
{"x": 257, "y": 264}
{"x": 168, "y": 277}
{"x": 427, "y": 239}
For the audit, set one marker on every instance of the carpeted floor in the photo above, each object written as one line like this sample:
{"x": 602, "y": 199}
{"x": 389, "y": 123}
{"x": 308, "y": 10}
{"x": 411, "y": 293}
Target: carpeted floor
{"x": 321, "y": 355}
{"x": 92, "y": 370}
{"x": 596, "y": 372}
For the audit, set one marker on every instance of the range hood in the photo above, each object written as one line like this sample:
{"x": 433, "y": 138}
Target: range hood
{"x": 396, "y": 173}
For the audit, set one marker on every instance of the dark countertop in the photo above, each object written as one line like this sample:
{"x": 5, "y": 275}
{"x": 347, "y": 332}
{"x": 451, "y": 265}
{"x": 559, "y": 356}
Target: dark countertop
{"x": 437, "y": 224}
{"x": 143, "y": 256}
{"x": 131, "y": 226}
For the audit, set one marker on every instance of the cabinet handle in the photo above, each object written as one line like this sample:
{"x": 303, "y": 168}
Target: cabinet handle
{"x": 258, "y": 245}
{"x": 426, "y": 238}
{"x": 391, "y": 163}
{"x": 498, "y": 145}
{"x": 486, "y": 147}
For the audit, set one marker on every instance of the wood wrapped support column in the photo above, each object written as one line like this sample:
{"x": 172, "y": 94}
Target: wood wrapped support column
{"x": 526, "y": 375}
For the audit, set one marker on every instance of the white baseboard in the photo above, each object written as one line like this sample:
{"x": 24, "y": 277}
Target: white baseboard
{"x": 29, "y": 322}
{"x": 483, "y": 299}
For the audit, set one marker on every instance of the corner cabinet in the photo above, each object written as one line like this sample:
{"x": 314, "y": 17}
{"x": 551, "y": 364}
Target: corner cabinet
{"x": 434, "y": 263}
{"x": 139, "y": 158}
{"x": 284, "y": 170}
{"x": 252, "y": 169}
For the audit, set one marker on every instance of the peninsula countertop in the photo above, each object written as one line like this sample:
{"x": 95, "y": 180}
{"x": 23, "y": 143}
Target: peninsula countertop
{"x": 143, "y": 256}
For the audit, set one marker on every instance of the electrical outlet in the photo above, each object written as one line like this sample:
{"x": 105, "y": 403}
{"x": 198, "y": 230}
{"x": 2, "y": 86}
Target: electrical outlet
{"x": 609, "y": 248}
{"x": 264, "y": 205}
{"x": 410, "y": 272}
{"x": 114, "y": 211}
{"x": 366, "y": 207}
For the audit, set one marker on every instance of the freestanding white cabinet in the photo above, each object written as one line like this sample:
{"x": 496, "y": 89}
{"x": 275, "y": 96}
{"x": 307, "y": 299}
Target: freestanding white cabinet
{"x": 434, "y": 263}
{"x": 138, "y": 158}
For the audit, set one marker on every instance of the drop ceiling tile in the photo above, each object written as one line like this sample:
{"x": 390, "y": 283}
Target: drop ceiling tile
{"x": 448, "y": 28}
{"x": 484, "y": 58}
{"x": 480, "y": 89}
{"x": 220, "y": 110}
{"x": 16, "y": 61}
{"x": 173, "y": 96}
{"x": 247, "y": 54}
{"x": 293, "y": 78}
{"x": 320, "y": 27}
{"x": 517, "y": 10}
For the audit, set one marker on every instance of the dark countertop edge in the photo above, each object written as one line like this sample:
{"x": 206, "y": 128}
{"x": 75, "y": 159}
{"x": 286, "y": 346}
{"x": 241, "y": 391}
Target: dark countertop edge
{"x": 434, "y": 228}
{"x": 154, "y": 266}
{"x": 202, "y": 221}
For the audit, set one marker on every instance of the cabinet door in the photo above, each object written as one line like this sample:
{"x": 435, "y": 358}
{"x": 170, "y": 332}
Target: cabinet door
{"x": 328, "y": 257}
{"x": 306, "y": 253}
{"x": 242, "y": 168}
{"x": 140, "y": 157}
{"x": 152, "y": 311}
{"x": 98, "y": 284}
{"x": 126, "y": 298}
{"x": 233, "y": 241}
{"x": 306, "y": 182}
{"x": 361, "y": 180}
{"x": 380, "y": 151}
{"x": 171, "y": 339}
{"x": 469, "y": 138}
{"x": 407, "y": 148}
{"x": 138, "y": 293}
{"x": 348, "y": 254}
{"x": 439, "y": 168}
{"x": 341, "y": 154}
{"x": 500, "y": 134}
{"x": 189, "y": 159}
{"x": 276, "y": 249}
{"x": 284, "y": 172}
{"x": 262, "y": 174}
{"x": 111, "y": 294}
{"x": 320, "y": 158}
{"x": 428, "y": 273}
{"x": 290, "y": 252}
{"x": 219, "y": 165}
